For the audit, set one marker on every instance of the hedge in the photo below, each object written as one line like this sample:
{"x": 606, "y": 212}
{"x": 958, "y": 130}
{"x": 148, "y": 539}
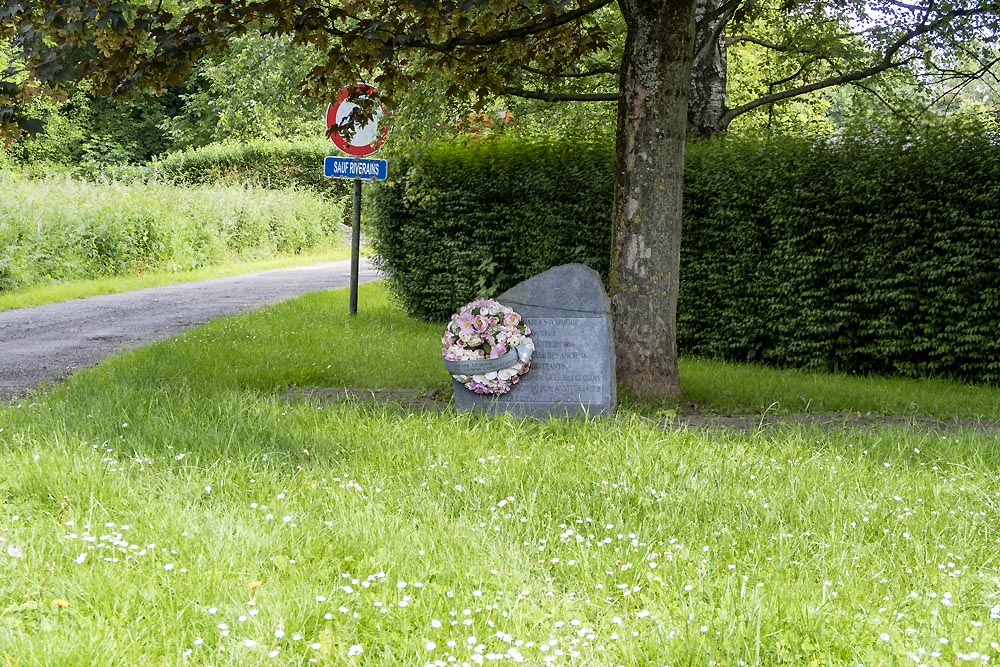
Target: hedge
{"x": 273, "y": 164}
{"x": 476, "y": 217}
{"x": 861, "y": 256}
{"x": 864, "y": 257}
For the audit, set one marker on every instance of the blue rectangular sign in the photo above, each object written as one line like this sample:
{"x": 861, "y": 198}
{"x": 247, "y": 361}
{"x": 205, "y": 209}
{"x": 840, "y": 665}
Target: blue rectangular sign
{"x": 352, "y": 167}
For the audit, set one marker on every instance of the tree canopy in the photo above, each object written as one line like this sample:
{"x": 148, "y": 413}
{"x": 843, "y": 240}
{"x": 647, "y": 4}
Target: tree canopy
{"x": 537, "y": 49}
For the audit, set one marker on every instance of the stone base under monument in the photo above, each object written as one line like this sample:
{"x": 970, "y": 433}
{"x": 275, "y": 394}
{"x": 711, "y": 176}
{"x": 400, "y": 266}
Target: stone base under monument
{"x": 522, "y": 407}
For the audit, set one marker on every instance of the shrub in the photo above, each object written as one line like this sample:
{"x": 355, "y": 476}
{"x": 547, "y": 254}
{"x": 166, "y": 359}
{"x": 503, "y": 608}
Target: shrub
{"x": 87, "y": 134}
{"x": 274, "y": 164}
{"x": 472, "y": 218}
{"x": 862, "y": 255}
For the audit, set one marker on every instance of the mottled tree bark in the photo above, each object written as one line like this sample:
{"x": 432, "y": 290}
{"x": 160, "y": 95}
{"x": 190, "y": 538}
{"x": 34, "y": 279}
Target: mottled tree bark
{"x": 649, "y": 168}
{"x": 707, "y": 106}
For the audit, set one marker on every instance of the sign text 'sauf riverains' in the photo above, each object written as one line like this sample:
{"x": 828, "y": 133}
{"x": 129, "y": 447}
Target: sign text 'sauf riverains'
{"x": 345, "y": 167}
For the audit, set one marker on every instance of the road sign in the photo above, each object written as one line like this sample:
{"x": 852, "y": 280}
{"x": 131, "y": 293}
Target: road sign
{"x": 357, "y": 136}
{"x": 346, "y": 167}
{"x": 350, "y": 134}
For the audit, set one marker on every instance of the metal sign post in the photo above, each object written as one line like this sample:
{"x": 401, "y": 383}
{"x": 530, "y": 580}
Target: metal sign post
{"x": 357, "y": 141}
{"x": 355, "y": 247}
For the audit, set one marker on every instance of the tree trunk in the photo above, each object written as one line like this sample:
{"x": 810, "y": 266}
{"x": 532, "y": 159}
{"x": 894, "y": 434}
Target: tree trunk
{"x": 649, "y": 169}
{"x": 707, "y": 106}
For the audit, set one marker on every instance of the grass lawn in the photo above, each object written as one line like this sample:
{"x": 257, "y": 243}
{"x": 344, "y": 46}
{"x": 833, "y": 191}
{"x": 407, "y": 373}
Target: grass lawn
{"x": 168, "y": 507}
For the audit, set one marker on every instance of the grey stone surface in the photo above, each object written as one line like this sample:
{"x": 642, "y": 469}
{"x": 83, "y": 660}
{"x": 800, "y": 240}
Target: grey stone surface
{"x": 573, "y": 368}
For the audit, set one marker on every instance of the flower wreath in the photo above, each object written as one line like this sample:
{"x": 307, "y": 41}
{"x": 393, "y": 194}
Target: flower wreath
{"x": 487, "y": 347}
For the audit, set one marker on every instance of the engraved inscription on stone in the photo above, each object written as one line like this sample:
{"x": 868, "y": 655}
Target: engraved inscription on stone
{"x": 573, "y": 367}
{"x": 562, "y": 368}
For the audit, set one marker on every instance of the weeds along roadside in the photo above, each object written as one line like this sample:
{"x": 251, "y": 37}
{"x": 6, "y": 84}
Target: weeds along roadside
{"x": 59, "y": 229}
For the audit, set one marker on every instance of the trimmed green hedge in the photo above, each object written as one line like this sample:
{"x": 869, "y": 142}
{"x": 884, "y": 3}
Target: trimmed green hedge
{"x": 878, "y": 257}
{"x": 477, "y": 217}
{"x": 865, "y": 257}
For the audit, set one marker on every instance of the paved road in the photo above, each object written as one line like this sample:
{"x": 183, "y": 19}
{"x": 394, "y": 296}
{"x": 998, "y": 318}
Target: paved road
{"x": 48, "y": 343}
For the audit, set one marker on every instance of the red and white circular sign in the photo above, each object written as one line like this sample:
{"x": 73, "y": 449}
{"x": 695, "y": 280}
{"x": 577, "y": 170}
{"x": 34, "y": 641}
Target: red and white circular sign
{"x": 363, "y": 139}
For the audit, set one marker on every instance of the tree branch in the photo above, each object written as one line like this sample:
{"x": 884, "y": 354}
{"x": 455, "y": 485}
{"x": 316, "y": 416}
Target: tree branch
{"x": 963, "y": 80}
{"x": 782, "y": 48}
{"x": 788, "y": 79}
{"x": 559, "y": 97}
{"x": 730, "y": 7}
{"x": 908, "y": 6}
{"x": 850, "y": 77}
{"x": 878, "y": 96}
{"x": 724, "y": 16}
{"x": 888, "y": 62}
{"x": 985, "y": 69}
{"x": 571, "y": 75}
{"x": 515, "y": 33}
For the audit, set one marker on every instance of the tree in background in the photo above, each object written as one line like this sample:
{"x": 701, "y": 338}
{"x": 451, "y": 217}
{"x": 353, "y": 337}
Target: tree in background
{"x": 76, "y": 127}
{"x": 875, "y": 46}
{"x": 784, "y": 50}
{"x": 244, "y": 92}
{"x": 670, "y": 72}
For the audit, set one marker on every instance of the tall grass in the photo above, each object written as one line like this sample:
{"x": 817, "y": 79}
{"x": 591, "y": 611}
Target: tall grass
{"x": 170, "y": 507}
{"x": 61, "y": 229}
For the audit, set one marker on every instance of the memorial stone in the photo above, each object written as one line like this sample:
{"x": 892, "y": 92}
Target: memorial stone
{"x": 573, "y": 366}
